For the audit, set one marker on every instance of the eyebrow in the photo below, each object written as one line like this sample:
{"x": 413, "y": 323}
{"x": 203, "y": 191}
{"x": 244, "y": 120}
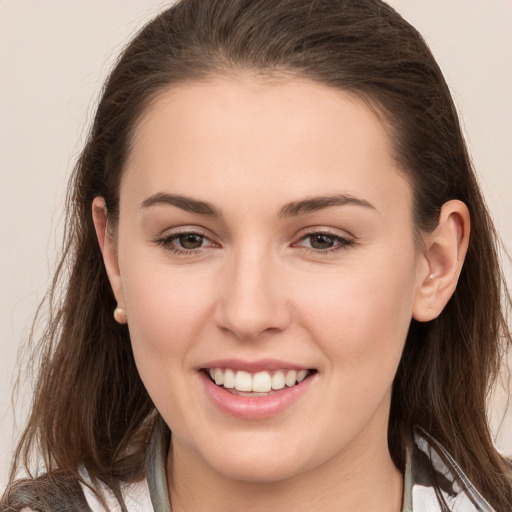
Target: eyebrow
{"x": 183, "y": 202}
{"x": 314, "y": 204}
{"x": 292, "y": 209}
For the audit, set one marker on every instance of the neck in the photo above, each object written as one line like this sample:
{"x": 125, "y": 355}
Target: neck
{"x": 362, "y": 478}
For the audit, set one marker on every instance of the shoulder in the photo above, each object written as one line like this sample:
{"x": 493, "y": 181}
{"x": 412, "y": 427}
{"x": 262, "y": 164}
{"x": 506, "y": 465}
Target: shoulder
{"x": 62, "y": 493}
{"x": 435, "y": 482}
{"x": 47, "y": 493}
{"x": 135, "y": 495}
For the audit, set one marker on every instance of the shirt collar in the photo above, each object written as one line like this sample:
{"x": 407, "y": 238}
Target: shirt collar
{"x": 434, "y": 482}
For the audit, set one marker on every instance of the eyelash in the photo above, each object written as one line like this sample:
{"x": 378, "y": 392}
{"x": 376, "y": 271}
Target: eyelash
{"x": 167, "y": 243}
{"x": 340, "y": 243}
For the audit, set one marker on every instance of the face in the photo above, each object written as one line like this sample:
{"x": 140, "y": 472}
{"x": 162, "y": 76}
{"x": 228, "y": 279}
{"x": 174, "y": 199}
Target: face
{"x": 267, "y": 266}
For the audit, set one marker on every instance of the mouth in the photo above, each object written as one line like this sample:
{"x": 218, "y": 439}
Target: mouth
{"x": 261, "y": 383}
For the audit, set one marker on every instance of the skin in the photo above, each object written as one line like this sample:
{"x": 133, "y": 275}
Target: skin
{"x": 257, "y": 288}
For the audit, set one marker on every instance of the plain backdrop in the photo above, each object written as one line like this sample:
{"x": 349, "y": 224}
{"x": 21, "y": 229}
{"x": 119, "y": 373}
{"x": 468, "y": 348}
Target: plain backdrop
{"x": 54, "y": 56}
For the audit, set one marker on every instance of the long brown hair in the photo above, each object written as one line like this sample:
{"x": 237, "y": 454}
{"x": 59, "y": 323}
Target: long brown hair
{"x": 90, "y": 407}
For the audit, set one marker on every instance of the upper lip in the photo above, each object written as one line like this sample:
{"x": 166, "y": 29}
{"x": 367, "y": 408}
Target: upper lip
{"x": 254, "y": 366}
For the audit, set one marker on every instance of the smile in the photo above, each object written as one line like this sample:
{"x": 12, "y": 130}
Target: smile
{"x": 258, "y": 391}
{"x": 261, "y": 382}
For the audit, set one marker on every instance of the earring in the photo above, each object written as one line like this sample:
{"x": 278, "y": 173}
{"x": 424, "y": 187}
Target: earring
{"x": 120, "y": 315}
{"x": 432, "y": 276}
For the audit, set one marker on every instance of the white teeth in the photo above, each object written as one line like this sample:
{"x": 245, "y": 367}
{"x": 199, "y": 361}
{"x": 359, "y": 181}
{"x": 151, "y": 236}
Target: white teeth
{"x": 260, "y": 382}
{"x": 278, "y": 380}
{"x": 301, "y": 375}
{"x": 229, "y": 379}
{"x": 218, "y": 376}
{"x": 243, "y": 381}
{"x": 291, "y": 378}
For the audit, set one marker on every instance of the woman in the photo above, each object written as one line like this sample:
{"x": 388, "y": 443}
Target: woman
{"x": 279, "y": 253}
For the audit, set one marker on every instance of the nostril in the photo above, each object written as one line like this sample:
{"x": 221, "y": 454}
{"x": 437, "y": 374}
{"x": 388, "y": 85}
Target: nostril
{"x": 253, "y": 308}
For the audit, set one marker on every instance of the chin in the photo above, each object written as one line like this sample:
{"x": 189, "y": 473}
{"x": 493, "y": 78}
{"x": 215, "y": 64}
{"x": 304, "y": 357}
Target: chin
{"x": 258, "y": 471}
{"x": 258, "y": 464}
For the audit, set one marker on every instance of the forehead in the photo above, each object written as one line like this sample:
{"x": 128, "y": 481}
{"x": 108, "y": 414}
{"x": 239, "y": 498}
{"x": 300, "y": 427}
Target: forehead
{"x": 259, "y": 135}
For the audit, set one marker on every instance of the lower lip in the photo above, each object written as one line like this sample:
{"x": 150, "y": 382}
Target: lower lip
{"x": 257, "y": 407}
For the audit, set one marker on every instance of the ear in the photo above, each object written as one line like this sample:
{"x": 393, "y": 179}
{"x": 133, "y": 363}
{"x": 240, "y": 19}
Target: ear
{"x": 109, "y": 252}
{"x": 443, "y": 256}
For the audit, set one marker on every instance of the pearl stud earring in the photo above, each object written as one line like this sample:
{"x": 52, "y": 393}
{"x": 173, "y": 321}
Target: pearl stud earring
{"x": 120, "y": 315}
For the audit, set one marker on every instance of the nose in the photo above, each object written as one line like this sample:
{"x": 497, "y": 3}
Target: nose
{"x": 252, "y": 296}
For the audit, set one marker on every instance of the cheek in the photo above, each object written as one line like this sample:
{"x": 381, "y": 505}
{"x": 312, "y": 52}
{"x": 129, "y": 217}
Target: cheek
{"x": 166, "y": 311}
{"x": 166, "y": 318}
{"x": 361, "y": 318}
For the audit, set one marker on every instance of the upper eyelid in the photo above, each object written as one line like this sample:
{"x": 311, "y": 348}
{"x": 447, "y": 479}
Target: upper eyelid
{"x": 334, "y": 232}
{"x": 168, "y": 243}
{"x": 174, "y": 236}
{"x": 183, "y": 230}
{"x": 342, "y": 239}
{"x": 168, "y": 237}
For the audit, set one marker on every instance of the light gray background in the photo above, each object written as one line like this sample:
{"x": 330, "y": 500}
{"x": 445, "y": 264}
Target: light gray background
{"x": 54, "y": 55}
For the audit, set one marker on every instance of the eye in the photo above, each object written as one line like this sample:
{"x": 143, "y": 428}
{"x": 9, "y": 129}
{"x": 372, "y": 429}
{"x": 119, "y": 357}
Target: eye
{"x": 185, "y": 242}
{"x": 190, "y": 240}
{"x": 323, "y": 242}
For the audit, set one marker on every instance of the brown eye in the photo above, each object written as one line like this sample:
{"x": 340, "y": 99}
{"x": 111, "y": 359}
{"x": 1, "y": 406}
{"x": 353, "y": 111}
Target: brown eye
{"x": 321, "y": 241}
{"x": 324, "y": 242}
{"x": 190, "y": 240}
{"x": 186, "y": 243}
